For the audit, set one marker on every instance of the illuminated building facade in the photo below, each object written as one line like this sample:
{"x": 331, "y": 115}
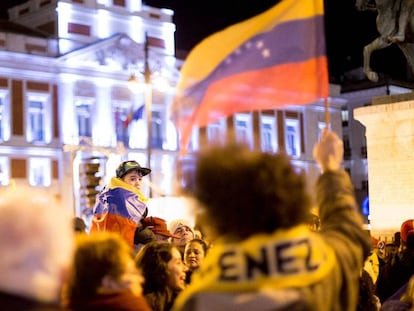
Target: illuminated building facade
{"x": 64, "y": 95}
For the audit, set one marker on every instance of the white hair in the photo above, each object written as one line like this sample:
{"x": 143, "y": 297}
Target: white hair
{"x": 36, "y": 244}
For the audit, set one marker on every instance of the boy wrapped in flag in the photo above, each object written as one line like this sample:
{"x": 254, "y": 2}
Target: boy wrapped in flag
{"x": 121, "y": 206}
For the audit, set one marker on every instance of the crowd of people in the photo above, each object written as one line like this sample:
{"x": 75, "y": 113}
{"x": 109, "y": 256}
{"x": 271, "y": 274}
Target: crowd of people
{"x": 265, "y": 249}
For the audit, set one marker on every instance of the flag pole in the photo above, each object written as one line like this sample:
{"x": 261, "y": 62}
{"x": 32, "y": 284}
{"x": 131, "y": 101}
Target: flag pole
{"x": 327, "y": 115}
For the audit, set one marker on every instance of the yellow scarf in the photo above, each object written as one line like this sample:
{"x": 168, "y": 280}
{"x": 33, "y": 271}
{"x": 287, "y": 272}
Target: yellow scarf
{"x": 119, "y": 183}
{"x": 288, "y": 258}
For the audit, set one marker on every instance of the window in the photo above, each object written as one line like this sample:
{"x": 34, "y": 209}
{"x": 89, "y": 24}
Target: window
{"x": 345, "y": 116}
{"x": 156, "y": 129}
{"x": 4, "y": 115}
{"x": 292, "y": 137}
{"x": 171, "y": 141}
{"x": 194, "y": 143}
{"x": 38, "y": 118}
{"x": 364, "y": 152}
{"x": 215, "y": 131}
{"x": 83, "y": 114}
{"x": 243, "y": 128}
{"x": 139, "y": 136}
{"x": 4, "y": 171}
{"x": 347, "y": 147}
{"x": 40, "y": 172}
{"x": 268, "y": 134}
{"x": 122, "y": 115}
{"x": 321, "y": 127}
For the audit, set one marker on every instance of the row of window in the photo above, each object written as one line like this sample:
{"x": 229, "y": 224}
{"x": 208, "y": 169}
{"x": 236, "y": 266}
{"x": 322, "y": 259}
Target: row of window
{"x": 38, "y": 170}
{"x": 39, "y": 120}
{"x": 269, "y": 140}
{"x": 39, "y": 115}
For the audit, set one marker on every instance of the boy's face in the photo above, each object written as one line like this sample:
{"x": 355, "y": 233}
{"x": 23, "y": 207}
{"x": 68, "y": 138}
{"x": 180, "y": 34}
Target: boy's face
{"x": 133, "y": 178}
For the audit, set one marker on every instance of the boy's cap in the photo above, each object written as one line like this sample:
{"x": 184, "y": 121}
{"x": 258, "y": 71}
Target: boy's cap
{"x": 127, "y": 166}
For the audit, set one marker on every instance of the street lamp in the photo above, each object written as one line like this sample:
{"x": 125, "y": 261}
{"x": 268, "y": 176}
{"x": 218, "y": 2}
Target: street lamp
{"x": 156, "y": 78}
{"x": 132, "y": 81}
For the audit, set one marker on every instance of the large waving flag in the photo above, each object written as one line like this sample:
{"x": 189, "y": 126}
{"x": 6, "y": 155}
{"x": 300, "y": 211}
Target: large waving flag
{"x": 274, "y": 59}
{"x": 119, "y": 208}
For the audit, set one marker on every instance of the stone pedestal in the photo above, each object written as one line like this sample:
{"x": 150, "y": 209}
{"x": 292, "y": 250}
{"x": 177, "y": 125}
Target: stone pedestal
{"x": 390, "y": 148}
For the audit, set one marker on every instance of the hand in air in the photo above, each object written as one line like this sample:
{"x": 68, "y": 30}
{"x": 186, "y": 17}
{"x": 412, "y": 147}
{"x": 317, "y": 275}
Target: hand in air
{"x": 329, "y": 151}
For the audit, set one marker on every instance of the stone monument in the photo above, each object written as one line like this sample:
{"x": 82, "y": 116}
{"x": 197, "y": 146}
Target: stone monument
{"x": 389, "y": 124}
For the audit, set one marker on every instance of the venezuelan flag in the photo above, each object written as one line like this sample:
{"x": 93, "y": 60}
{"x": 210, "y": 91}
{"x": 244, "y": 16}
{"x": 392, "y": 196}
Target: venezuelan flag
{"x": 119, "y": 208}
{"x": 272, "y": 60}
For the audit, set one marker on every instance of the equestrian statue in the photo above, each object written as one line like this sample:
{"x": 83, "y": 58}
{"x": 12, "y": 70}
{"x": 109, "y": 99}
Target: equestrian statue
{"x": 395, "y": 24}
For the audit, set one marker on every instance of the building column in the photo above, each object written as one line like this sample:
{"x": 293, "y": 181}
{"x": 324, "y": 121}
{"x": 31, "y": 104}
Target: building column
{"x": 103, "y": 125}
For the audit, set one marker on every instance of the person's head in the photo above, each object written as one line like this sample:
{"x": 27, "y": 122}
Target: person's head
{"x": 183, "y": 229}
{"x": 36, "y": 245}
{"x": 103, "y": 262}
{"x": 243, "y": 192}
{"x": 162, "y": 267}
{"x": 397, "y": 239}
{"x": 79, "y": 225}
{"x": 198, "y": 234}
{"x": 131, "y": 173}
{"x": 159, "y": 227}
{"x": 194, "y": 253}
{"x": 381, "y": 249}
{"x": 409, "y": 243}
{"x": 390, "y": 251}
{"x": 406, "y": 228}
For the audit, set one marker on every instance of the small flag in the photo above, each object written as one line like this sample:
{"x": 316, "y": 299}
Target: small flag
{"x": 272, "y": 60}
{"x": 134, "y": 115}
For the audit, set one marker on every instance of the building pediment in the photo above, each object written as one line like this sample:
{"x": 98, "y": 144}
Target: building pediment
{"x": 118, "y": 52}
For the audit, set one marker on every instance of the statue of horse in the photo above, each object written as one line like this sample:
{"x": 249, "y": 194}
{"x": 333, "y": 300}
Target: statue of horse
{"x": 387, "y": 23}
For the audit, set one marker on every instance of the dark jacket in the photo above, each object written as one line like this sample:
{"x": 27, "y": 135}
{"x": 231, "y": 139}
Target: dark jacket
{"x": 10, "y": 302}
{"x": 116, "y": 301}
{"x": 395, "y": 305}
{"x": 394, "y": 275}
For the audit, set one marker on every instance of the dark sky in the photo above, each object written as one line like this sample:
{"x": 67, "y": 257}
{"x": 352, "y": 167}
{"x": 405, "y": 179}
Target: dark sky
{"x": 347, "y": 30}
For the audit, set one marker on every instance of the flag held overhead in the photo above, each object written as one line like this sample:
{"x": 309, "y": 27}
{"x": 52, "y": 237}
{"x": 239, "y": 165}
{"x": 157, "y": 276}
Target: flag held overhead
{"x": 272, "y": 60}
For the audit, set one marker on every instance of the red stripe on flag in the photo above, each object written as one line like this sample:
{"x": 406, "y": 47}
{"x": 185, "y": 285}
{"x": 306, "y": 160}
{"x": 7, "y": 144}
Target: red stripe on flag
{"x": 291, "y": 84}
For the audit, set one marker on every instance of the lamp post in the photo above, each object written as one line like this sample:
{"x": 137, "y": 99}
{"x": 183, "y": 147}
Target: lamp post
{"x": 148, "y": 102}
{"x": 152, "y": 79}
{"x": 132, "y": 81}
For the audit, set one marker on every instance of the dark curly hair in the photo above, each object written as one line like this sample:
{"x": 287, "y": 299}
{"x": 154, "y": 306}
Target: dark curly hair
{"x": 153, "y": 260}
{"x": 257, "y": 191}
{"x": 97, "y": 255}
